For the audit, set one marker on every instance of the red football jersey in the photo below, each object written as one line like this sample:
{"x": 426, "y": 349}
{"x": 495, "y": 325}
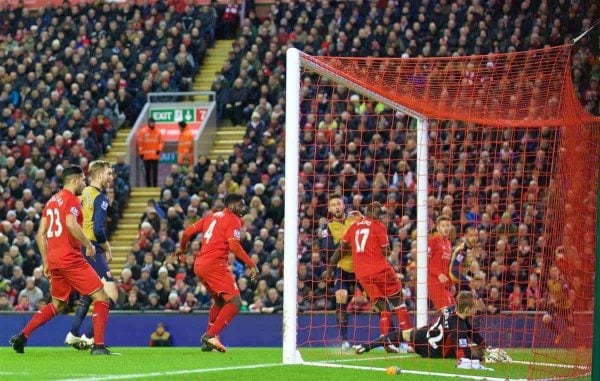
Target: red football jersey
{"x": 367, "y": 237}
{"x": 440, "y": 254}
{"x": 217, "y": 228}
{"x": 63, "y": 248}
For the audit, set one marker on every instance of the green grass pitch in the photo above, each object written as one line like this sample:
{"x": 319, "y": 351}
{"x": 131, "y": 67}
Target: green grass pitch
{"x": 237, "y": 364}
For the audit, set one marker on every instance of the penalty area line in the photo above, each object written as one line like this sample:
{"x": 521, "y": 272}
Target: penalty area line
{"x": 415, "y": 372}
{"x": 171, "y": 373}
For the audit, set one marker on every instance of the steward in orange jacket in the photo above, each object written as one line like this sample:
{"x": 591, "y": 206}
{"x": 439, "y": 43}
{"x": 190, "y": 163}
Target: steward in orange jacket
{"x": 185, "y": 147}
{"x": 150, "y": 142}
{"x": 150, "y": 145}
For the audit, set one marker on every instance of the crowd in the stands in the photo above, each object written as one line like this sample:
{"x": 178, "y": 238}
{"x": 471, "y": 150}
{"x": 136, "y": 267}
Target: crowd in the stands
{"x": 64, "y": 67}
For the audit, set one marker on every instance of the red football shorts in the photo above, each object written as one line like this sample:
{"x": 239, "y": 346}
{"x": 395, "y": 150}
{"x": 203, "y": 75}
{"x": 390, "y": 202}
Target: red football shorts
{"x": 439, "y": 294}
{"x": 381, "y": 285}
{"x": 79, "y": 276}
{"x": 217, "y": 279}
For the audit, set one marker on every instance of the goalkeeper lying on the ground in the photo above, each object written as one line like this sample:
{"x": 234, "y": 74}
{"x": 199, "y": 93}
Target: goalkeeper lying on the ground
{"x": 451, "y": 336}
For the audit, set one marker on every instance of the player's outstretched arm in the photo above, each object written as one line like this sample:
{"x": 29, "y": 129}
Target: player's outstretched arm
{"x": 188, "y": 233}
{"x": 77, "y": 232}
{"x": 40, "y": 239}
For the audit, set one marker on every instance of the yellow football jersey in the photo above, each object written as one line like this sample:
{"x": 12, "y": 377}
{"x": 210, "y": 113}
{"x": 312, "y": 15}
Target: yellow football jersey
{"x": 94, "y": 204}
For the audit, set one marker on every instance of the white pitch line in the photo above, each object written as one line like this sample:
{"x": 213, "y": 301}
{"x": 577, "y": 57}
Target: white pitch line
{"x": 13, "y": 373}
{"x": 552, "y": 365}
{"x": 368, "y": 359}
{"x": 415, "y": 372}
{"x": 170, "y": 373}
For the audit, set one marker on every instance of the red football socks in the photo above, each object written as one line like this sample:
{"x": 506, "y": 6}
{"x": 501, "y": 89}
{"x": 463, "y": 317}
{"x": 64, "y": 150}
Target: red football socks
{"x": 228, "y": 311}
{"x": 99, "y": 319}
{"x": 40, "y": 318}
{"x": 403, "y": 318}
{"x": 384, "y": 322}
{"x": 213, "y": 313}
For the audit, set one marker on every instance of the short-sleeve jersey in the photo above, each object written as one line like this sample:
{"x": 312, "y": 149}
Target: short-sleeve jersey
{"x": 367, "y": 237}
{"x": 63, "y": 248}
{"x": 330, "y": 239}
{"x": 218, "y": 228}
{"x": 94, "y": 204}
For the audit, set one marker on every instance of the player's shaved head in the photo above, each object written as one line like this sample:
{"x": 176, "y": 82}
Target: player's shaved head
{"x": 464, "y": 301}
{"x": 374, "y": 210}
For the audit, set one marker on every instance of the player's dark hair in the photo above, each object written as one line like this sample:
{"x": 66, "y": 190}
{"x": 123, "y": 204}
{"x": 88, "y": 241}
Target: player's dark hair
{"x": 70, "y": 171}
{"x": 373, "y": 210}
{"x": 232, "y": 199}
{"x": 464, "y": 300}
{"x": 334, "y": 196}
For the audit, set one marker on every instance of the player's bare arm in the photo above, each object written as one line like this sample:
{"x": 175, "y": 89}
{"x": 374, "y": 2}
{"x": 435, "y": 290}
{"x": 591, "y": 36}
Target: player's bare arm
{"x": 236, "y": 248}
{"x": 443, "y": 278}
{"x": 77, "y": 232}
{"x": 342, "y": 249}
{"x": 107, "y": 251}
{"x": 188, "y": 233}
{"x": 42, "y": 243}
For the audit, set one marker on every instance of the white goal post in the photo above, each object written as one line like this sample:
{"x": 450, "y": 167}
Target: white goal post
{"x": 296, "y": 60}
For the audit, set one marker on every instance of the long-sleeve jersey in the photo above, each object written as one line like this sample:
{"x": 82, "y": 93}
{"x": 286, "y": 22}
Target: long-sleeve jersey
{"x": 451, "y": 335}
{"x": 458, "y": 256}
{"x": 440, "y": 255}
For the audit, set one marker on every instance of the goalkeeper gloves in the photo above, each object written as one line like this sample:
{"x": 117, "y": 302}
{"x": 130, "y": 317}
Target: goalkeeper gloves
{"x": 493, "y": 355}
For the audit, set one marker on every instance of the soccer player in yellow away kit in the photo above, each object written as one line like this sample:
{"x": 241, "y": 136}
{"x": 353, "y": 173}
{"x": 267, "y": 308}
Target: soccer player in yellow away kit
{"x": 94, "y": 204}
{"x": 345, "y": 281}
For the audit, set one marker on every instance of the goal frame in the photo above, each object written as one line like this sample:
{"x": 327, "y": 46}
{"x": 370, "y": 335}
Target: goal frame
{"x": 294, "y": 62}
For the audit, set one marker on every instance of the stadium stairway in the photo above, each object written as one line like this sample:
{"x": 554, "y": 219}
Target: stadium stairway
{"x": 227, "y": 134}
{"x": 127, "y": 229}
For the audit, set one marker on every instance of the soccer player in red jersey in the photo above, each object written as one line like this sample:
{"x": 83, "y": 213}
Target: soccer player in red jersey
{"x": 440, "y": 256}
{"x": 59, "y": 239}
{"x": 221, "y": 235}
{"x": 367, "y": 238}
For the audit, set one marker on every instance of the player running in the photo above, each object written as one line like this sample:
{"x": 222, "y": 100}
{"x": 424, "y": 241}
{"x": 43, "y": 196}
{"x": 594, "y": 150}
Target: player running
{"x": 94, "y": 203}
{"x": 345, "y": 281}
{"x": 59, "y": 239}
{"x": 440, "y": 255}
{"x": 367, "y": 239}
{"x": 451, "y": 336}
{"x": 221, "y": 235}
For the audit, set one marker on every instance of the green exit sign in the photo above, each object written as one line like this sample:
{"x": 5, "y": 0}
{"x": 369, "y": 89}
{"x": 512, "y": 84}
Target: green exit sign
{"x": 173, "y": 115}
